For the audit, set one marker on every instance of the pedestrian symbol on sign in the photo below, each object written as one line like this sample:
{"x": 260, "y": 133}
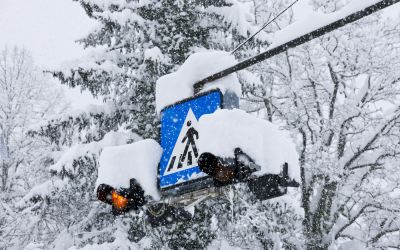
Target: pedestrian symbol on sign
{"x": 189, "y": 137}
{"x": 185, "y": 153}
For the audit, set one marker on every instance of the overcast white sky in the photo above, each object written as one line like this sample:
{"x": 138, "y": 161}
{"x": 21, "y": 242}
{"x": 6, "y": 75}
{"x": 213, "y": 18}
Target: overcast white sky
{"x": 48, "y": 28}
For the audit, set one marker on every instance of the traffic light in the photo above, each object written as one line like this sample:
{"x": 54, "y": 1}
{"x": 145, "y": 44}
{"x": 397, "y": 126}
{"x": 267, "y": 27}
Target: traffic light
{"x": 123, "y": 199}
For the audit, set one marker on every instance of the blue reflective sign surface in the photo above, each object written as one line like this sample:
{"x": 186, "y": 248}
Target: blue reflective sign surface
{"x": 178, "y": 164}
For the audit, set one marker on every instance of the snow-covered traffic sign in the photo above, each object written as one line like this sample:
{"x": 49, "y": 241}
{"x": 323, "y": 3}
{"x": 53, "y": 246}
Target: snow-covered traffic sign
{"x": 178, "y": 164}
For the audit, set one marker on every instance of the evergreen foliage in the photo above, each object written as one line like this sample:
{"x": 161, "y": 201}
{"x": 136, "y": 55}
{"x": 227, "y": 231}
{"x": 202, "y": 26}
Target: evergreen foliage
{"x": 338, "y": 95}
{"x": 135, "y": 43}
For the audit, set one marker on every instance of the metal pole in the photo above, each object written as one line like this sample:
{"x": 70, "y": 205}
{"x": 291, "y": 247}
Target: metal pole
{"x": 296, "y": 42}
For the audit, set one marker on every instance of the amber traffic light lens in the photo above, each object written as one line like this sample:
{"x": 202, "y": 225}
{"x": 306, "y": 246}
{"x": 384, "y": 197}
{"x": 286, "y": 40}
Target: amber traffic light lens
{"x": 119, "y": 202}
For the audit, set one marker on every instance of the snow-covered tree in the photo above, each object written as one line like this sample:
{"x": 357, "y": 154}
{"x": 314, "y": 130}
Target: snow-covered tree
{"x": 340, "y": 95}
{"x": 134, "y": 44}
{"x": 27, "y": 98}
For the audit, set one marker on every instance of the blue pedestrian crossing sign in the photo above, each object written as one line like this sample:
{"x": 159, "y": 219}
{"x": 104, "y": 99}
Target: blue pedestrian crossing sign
{"x": 179, "y": 134}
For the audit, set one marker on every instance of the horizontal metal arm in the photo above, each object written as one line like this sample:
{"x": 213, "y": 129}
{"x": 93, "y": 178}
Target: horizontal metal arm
{"x": 296, "y": 42}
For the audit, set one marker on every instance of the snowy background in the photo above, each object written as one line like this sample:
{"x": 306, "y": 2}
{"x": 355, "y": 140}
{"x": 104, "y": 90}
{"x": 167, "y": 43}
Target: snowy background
{"x": 331, "y": 106}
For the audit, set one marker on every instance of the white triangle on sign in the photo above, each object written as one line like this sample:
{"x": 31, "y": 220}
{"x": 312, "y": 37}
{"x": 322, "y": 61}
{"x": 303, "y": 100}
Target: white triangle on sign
{"x": 185, "y": 153}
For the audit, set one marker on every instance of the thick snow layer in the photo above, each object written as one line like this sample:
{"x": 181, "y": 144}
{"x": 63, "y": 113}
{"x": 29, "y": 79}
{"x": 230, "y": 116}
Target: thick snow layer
{"x": 79, "y": 150}
{"x": 223, "y": 131}
{"x": 138, "y": 160}
{"x": 177, "y": 86}
{"x": 107, "y": 108}
{"x": 43, "y": 190}
{"x": 66, "y": 159}
{"x": 240, "y": 15}
{"x": 315, "y": 20}
{"x": 154, "y": 54}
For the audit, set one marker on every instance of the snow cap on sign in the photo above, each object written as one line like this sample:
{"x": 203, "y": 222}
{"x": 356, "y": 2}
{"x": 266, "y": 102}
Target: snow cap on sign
{"x": 177, "y": 86}
{"x": 138, "y": 160}
{"x": 66, "y": 161}
{"x": 270, "y": 147}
